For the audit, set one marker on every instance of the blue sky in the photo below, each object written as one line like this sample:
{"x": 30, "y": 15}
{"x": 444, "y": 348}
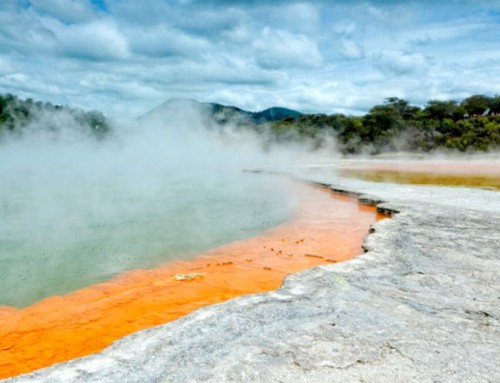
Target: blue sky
{"x": 126, "y": 56}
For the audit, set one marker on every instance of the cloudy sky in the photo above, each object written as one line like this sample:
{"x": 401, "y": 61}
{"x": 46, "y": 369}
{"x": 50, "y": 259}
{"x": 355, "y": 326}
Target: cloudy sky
{"x": 124, "y": 57}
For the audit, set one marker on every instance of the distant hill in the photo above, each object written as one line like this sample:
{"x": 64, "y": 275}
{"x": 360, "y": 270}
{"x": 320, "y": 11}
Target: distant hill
{"x": 222, "y": 114}
{"x": 275, "y": 114}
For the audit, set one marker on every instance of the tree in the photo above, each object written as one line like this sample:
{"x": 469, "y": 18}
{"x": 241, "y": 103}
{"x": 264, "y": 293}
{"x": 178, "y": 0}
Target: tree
{"x": 17, "y": 115}
{"x": 439, "y": 110}
{"x": 476, "y": 105}
{"x": 403, "y": 107}
{"x": 494, "y": 105}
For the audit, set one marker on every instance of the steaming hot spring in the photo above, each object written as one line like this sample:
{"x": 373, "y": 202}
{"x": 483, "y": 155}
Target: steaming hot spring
{"x": 101, "y": 239}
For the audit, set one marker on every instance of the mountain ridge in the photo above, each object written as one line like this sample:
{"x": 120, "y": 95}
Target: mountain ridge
{"x": 224, "y": 113}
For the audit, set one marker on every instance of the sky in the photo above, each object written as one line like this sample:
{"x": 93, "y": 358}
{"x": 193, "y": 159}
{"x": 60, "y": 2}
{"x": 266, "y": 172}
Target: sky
{"x": 124, "y": 57}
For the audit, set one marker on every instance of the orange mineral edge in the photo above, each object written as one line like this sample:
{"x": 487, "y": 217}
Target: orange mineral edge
{"x": 326, "y": 228}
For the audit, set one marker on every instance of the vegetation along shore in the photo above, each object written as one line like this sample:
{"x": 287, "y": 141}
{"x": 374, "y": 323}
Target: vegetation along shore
{"x": 470, "y": 125}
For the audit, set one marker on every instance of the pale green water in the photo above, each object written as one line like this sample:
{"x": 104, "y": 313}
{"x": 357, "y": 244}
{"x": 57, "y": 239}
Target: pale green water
{"x": 74, "y": 212}
{"x": 69, "y": 237}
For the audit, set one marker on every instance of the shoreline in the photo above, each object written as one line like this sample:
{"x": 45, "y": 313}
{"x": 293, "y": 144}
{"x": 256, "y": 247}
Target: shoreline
{"x": 419, "y": 306}
{"x": 88, "y": 320}
{"x": 477, "y": 173}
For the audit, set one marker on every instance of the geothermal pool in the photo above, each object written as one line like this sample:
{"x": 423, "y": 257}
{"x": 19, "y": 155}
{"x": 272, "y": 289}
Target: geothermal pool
{"x": 95, "y": 234}
{"x": 470, "y": 172}
{"x": 84, "y": 231}
{"x": 321, "y": 228}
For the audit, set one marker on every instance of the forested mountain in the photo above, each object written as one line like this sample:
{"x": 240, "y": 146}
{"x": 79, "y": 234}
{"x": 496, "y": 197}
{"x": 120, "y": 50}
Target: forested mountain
{"x": 222, "y": 114}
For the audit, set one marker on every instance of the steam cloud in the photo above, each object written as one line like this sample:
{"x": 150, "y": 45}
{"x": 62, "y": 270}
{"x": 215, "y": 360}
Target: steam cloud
{"x": 76, "y": 210}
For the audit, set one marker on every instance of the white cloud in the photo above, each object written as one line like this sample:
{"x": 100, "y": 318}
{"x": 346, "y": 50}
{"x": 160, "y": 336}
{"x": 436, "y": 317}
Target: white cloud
{"x": 217, "y": 69}
{"x": 6, "y": 66}
{"x": 133, "y": 12}
{"x": 210, "y": 21}
{"x": 346, "y": 28}
{"x": 299, "y": 16}
{"x": 375, "y": 11}
{"x": 453, "y": 30}
{"x": 350, "y": 49}
{"x": 17, "y": 77}
{"x": 67, "y": 10}
{"x": 23, "y": 31}
{"x": 29, "y": 86}
{"x": 400, "y": 63}
{"x": 239, "y": 35}
{"x": 99, "y": 40}
{"x": 275, "y": 49}
{"x": 164, "y": 41}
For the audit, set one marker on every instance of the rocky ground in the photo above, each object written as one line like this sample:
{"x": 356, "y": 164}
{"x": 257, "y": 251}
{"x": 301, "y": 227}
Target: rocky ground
{"x": 422, "y": 305}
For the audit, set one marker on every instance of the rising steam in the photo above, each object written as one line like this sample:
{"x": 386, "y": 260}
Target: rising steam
{"x": 76, "y": 210}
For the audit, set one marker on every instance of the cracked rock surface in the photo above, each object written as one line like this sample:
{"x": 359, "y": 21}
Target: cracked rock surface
{"x": 422, "y": 305}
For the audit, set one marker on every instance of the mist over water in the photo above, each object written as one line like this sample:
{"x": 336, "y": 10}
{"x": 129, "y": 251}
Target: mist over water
{"x": 76, "y": 211}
